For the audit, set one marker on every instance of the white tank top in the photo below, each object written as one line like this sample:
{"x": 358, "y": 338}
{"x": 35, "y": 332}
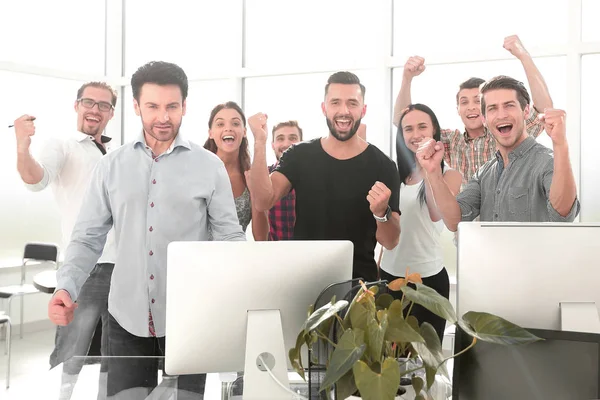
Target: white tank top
{"x": 419, "y": 248}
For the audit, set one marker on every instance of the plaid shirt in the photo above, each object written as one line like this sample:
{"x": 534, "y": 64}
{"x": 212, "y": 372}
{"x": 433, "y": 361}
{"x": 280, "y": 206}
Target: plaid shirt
{"x": 282, "y": 216}
{"x": 468, "y": 155}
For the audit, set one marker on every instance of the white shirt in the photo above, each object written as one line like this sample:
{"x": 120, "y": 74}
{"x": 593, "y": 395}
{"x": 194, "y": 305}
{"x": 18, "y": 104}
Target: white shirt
{"x": 419, "y": 248}
{"x": 68, "y": 164}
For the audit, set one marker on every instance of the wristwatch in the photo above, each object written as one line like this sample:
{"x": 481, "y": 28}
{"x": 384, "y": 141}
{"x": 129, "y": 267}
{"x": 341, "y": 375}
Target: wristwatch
{"x": 386, "y": 217}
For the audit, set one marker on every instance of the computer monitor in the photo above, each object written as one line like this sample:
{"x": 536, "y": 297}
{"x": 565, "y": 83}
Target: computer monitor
{"x": 524, "y": 271}
{"x": 566, "y": 365}
{"x": 227, "y": 302}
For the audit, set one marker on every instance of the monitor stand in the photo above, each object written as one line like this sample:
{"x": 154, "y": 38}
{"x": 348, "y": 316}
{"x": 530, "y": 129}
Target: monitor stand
{"x": 264, "y": 337}
{"x": 579, "y": 316}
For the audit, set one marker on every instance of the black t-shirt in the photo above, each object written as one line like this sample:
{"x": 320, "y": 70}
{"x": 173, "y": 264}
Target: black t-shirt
{"x": 331, "y": 197}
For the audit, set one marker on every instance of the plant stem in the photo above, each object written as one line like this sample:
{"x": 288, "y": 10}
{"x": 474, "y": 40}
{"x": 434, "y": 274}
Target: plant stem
{"x": 412, "y": 303}
{"x": 319, "y": 334}
{"x": 410, "y": 371}
{"x": 460, "y": 352}
{"x": 340, "y": 321}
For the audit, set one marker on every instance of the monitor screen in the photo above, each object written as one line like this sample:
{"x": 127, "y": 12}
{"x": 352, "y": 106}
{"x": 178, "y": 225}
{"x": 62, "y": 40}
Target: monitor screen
{"x": 563, "y": 366}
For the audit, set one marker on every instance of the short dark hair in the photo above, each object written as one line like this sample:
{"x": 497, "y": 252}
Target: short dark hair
{"x": 471, "y": 83}
{"x": 345, "y": 78}
{"x": 161, "y": 73}
{"x": 244, "y": 155}
{"x": 99, "y": 85}
{"x": 291, "y": 124}
{"x": 505, "y": 82}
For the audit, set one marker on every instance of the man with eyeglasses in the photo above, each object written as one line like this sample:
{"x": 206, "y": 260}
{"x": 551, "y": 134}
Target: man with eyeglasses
{"x": 65, "y": 164}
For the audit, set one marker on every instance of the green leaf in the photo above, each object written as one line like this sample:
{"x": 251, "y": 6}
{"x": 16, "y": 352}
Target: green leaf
{"x": 413, "y": 322}
{"x": 417, "y": 384}
{"x": 296, "y": 361}
{"x": 431, "y": 351}
{"x": 374, "y": 386}
{"x": 493, "y": 329}
{"x": 431, "y": 300}
{"x": 430, "y": 375}
{"x": 399, "y": 331}
{"x": 346, "y": 387}
{"x": 360, "y": 316}
{"x": 384, "y": 301}
{"x": 375, "y": 336}
{"x": 345, "y": 355}
{"x": 419, "y": 397}
{"x": 322, "y": 314}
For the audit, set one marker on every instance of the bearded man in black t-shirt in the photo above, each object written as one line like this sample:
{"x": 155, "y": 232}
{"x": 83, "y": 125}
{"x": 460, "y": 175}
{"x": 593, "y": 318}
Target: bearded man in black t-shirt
{"x": 346, "y": 188}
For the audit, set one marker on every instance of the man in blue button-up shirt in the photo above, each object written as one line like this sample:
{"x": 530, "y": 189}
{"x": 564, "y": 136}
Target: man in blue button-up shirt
{"x": 158, "y": 189}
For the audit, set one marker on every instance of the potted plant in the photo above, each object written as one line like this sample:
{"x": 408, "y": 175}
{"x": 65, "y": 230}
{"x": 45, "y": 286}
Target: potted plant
{"x": 371, "y": 341}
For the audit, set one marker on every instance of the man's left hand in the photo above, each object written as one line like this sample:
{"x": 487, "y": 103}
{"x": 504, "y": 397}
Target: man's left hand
{"x": 379, "y": 197}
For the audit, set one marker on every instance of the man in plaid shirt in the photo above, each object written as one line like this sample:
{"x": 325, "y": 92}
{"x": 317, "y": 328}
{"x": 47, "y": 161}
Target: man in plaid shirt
{"x": 467, "y": 151}
{"x": 283, "y": 214}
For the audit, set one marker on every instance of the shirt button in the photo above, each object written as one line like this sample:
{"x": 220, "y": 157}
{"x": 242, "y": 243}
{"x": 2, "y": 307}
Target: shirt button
{"x": 495, "y": 215}
{"x": 152, "y": 204}
{"x": 151, "y": 253}
{"x": 156, "y": 159}
{"x": 151, "y": 277}
{"x": 154, "y": 181}
{"x": 151, "y": 229}
{"x": 498, "y": 191}
{"x": 152, "y": 301}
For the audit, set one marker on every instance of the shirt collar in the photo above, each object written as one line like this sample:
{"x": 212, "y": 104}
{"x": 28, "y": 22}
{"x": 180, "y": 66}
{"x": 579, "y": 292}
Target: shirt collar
{"x": 486, "y": 132}
{"x": 179, "y": 141}
{"x": 521, "y": 149}
{"x": 80, "y": 137}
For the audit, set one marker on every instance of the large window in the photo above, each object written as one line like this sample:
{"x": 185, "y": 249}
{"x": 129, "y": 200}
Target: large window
{"x": 590, "y": 139}
{"x": 438, "y": 84}
{"x": 63, "y": 34}
{"x": 312, "y": 33}
{"x": 589, "y": 19}
{"x": 28, "y": 216}
{"x": 201, "y": 37}
{"x": 446, "y": 28}
{"x": 202, "y": 97}
{"x": 299, "y": 97}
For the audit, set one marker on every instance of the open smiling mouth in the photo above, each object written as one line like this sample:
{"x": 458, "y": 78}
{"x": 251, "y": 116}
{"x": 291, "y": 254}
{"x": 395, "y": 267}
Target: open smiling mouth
{"x": 228, "y": 139}
{"x": 504, "y": 129}
{"x": 343, "y": 124}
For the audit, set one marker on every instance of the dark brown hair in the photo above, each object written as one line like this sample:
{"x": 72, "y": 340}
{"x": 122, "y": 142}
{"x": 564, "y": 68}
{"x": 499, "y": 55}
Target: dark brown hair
{"x": 244, "y": 155}
{"x": 505, "y": 82}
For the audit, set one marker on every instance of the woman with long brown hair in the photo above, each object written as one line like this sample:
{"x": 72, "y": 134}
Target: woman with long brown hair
{"x": 227, "y": 139}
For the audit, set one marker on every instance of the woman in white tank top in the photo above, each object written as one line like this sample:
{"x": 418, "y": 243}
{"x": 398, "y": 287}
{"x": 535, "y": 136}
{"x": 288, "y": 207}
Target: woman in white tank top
{"x": 419, "y": 248}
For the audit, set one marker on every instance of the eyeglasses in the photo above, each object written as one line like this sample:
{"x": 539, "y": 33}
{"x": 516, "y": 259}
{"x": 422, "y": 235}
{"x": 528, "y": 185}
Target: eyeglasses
{"x": 102, "y": 105}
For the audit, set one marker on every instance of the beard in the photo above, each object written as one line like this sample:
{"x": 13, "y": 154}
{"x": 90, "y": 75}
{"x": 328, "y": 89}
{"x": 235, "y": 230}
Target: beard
{"x": 166, "y": 134}
{"x": 346, "y": 136}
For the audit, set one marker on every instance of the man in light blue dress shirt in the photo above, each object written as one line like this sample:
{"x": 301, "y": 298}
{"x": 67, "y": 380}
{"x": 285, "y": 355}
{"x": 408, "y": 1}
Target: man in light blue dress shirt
{"x": 158, "y": 189}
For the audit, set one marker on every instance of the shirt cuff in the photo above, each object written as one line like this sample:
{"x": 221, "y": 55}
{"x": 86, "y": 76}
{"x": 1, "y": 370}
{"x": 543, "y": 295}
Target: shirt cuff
{"x": 69, "y": 286}
{"x": 36, "y": 187}
{"x": 556, "y": 217}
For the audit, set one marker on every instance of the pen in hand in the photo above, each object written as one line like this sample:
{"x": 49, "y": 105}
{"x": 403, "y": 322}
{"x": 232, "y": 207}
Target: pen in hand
{"x": 30, "y": 119}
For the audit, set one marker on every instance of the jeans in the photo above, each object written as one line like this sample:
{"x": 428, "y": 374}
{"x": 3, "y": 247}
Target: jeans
{"x": 134, "y": 364}
{"x": 75, "y": 338}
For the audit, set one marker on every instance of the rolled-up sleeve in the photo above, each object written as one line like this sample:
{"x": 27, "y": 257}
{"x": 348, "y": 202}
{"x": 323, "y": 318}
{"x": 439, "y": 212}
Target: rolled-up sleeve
{"x": 469, "y": 200}
{"x": 553, "y": 215}
{"x": 89, "y": 234}
{"x": 222, "y": 215}
{"x": 51, "y": 158}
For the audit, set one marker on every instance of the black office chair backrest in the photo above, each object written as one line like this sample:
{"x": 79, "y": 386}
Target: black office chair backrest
{"x": 40, "y": 251}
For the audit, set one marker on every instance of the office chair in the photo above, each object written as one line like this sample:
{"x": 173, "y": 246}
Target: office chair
{"x": 5, "y": 320}
{"x": 34, "y": 252}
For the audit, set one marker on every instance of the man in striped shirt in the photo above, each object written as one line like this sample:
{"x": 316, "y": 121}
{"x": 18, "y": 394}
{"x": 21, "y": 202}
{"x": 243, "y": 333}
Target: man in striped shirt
{"x": 467, "y": 151}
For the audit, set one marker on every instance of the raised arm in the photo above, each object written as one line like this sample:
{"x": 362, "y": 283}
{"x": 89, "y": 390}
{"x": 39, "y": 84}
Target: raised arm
{"x": 413, "y": 67}
{"x": 429, "y": 156}
{"x": 31, "y": 172}
{"x": 563, "y": 190}
{"x": 265, "y": 190}
{"x": 540, "y": 95}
